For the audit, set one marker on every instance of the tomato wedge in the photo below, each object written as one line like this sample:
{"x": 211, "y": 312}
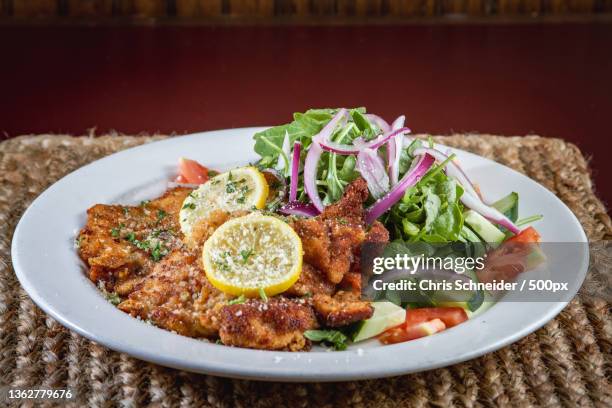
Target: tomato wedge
{"x": 192, "y": 172}
{"x": 528, "y": 235}
{"x": 403, "y": 333}
{"x": 514, "y": 256}
{"x": 451, "y": 316}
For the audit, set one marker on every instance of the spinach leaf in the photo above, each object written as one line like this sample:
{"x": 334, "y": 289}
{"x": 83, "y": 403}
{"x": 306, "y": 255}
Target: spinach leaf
{"x": 429, "y": 211}
{"x": 334, "y": 338}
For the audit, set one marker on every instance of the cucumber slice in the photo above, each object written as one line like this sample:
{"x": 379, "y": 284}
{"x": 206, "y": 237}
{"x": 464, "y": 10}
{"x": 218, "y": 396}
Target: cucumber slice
{"x": 386, "y": 315}
{"x": 508, "y": 206}
{"x": 483, "y": 227}
{"x": 469, "y": 235}
{"x": 466, "y": 299}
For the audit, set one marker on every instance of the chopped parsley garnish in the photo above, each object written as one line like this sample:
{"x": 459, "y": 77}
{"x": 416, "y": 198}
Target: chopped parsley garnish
{"x": 262, "y": 294}
{"x": 246, "y": 255}
{"x": 190, "y": 206}
{"x": 161, "y": 214}
{"x": 143, "y": 203}
{"x": 144, "y": 245}
{"x": 230, "y": 187}
{"x": 158, "y": 252}
{"x": 342, "y": 221}
{"x": 126, "y": 211}
{"x": 113, "y": 298}
{"x": 236, "y": 301}
{"x": 272, "y": 206}
{"x": 117, "y": 230}
{"x": 243, "y": 191}
{"x": 223, "y": 264}
{"x": 333, "y": 338}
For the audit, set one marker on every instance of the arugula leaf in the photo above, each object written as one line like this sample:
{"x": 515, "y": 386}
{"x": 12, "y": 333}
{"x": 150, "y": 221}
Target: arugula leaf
{"x": 335, "y": 172}
{"x": 272, "y": 136}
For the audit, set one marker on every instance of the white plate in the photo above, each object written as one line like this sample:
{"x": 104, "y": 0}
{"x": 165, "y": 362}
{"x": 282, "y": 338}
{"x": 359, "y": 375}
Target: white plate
{"x": 49, "y": 269}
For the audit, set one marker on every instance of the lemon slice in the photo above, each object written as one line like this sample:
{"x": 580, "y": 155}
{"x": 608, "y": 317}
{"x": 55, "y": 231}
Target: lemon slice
{"x": 243, "y": 188}
{"x": 253, "y": 253}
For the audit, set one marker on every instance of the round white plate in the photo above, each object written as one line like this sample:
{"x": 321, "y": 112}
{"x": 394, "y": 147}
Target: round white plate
{"x": 49, "y": 269}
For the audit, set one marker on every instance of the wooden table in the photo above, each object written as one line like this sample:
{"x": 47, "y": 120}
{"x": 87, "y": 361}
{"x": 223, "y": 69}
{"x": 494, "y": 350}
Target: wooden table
{"x": 549, "y": 79}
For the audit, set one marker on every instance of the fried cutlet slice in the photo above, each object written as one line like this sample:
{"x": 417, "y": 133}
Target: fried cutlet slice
{"x": 331, "y": 239}
{"x": 114, "y": 242}
{"x": 377, "y": 234}
{"x": 277, "y": 324}
{"x": 311, "y": 282}
{"x": 177, "y": 296}
{"x": 342, "y": 309}
{"x": 350, "y": 206}
{"x": 206, "y": 226}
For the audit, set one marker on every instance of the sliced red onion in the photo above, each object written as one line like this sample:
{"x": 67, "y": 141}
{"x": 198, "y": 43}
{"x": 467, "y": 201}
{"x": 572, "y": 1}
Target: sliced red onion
{"x": 378, "y": 121}
{"x": 297, "y": 208}
{"x": 452, "y": 169}
{"x": 372, "y": 169}
{"x": 398, "y": 122}
{"x": 397, "y": 192}
{"x": 174, "y": 184}
{"x": 295, "y": 169}
{"x": 489, "y": 213}
{"x": 474, "y": 185}
{"x": 313, "y": 156}
{"x": 394, "y": 146}
{"x": 390, "y": 153}
{"x": 340, "y": 148}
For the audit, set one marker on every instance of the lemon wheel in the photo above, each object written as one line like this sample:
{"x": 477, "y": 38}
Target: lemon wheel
{"x": 253, "y": 253}
{"x": 244, "y": 188}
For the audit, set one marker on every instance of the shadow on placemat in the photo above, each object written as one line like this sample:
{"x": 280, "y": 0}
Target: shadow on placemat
{"x": 565, "y": 362}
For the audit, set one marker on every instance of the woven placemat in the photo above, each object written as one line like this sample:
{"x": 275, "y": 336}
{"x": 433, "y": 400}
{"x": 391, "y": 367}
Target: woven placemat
{"x": 567, "y": 362}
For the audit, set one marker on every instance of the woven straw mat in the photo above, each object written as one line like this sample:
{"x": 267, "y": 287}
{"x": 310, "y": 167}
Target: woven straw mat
{"x": 566, "y": 363}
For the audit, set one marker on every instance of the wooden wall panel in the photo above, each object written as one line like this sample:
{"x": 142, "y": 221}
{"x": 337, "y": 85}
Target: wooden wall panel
{"x": 90, "y": 8}
{"x": 141, "y": 8}
{"x": 254, "y": 8}
{"x": 198, "y": 9}
{"x": 518, "y": 7}
{"x": 35, "y": 8}
{"x": 403, "y": 8}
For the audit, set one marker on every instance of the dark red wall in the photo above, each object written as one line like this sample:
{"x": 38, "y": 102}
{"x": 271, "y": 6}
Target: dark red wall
{"x": 549, "y": 79}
